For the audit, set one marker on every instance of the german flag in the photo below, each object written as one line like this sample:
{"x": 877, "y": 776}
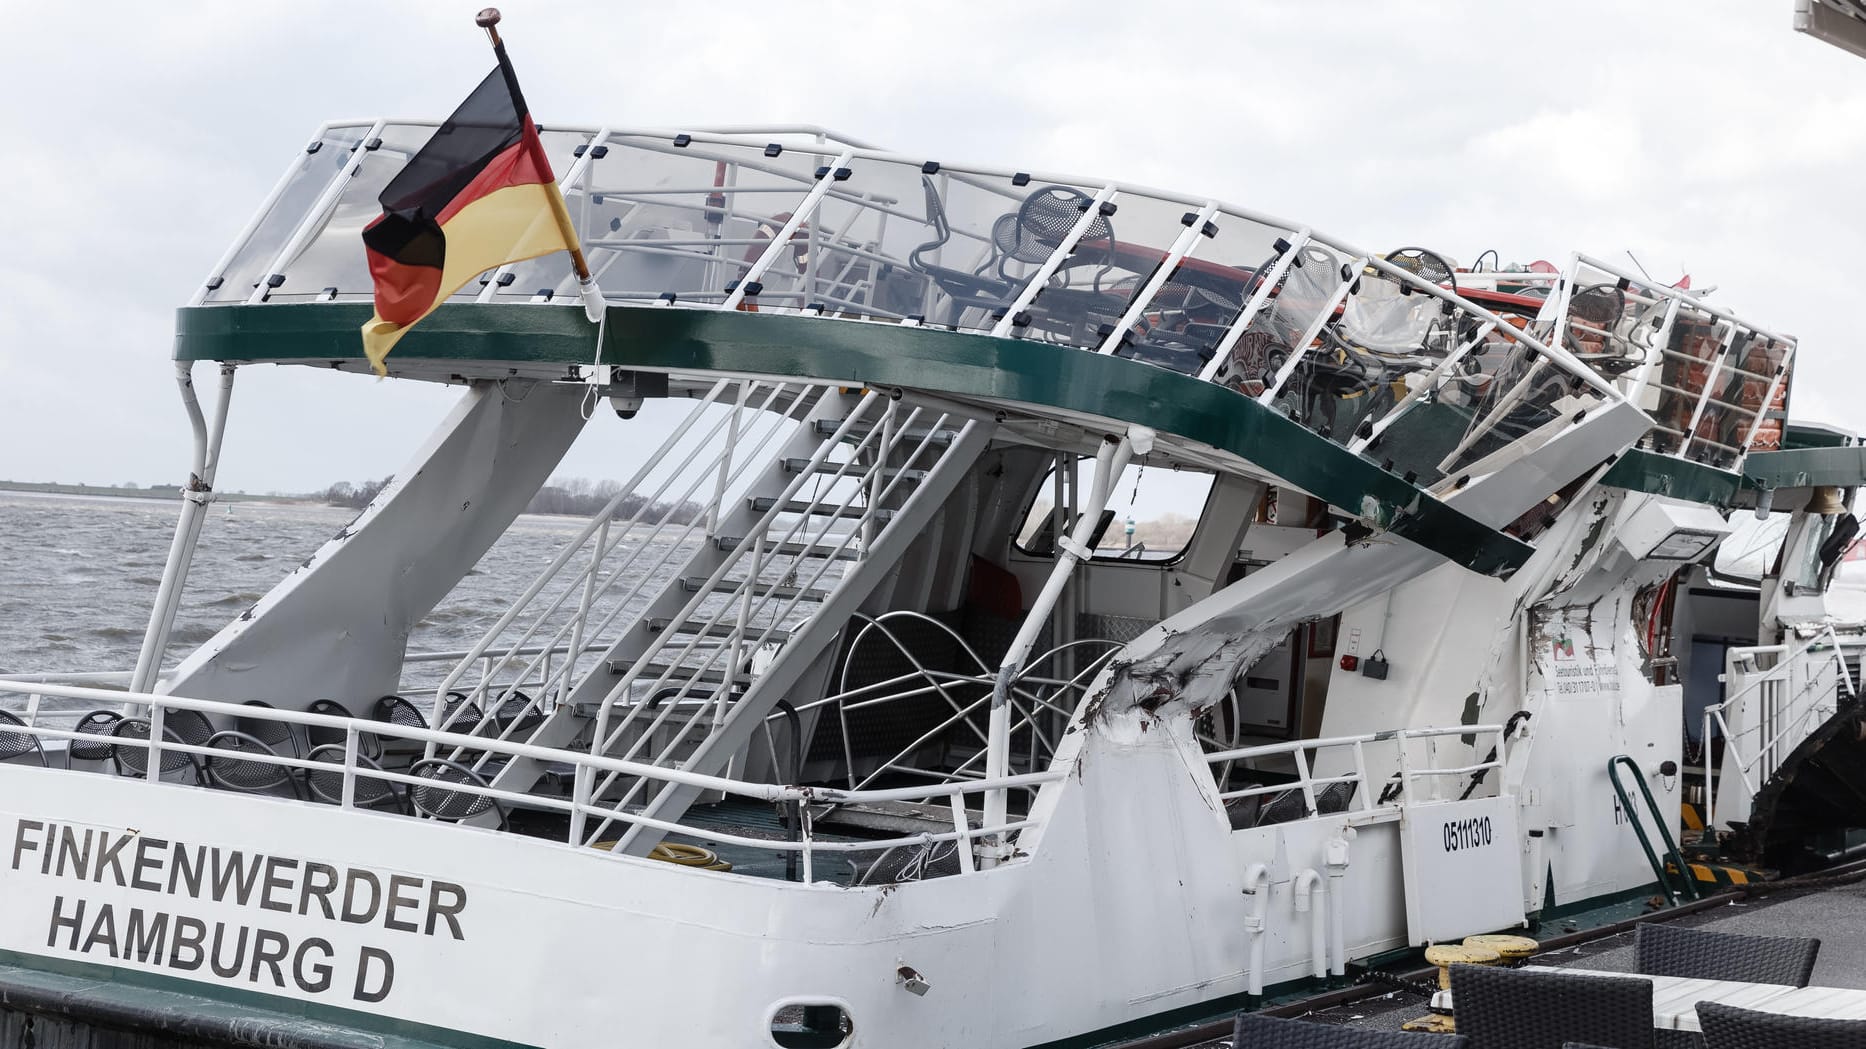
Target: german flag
{"x": 479, "y": 194}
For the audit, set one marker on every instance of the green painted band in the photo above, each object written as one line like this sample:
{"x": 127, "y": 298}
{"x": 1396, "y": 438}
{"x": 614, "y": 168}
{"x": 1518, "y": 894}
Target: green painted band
{"x": 110, "y": 984}
{"x": 966, "y": 365}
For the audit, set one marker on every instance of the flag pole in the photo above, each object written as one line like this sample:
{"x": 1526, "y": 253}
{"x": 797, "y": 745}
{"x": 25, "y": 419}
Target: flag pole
{"x": 488, "y": 19}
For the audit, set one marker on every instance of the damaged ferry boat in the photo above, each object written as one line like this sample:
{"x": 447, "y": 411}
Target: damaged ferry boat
{"x": 855, "y": 719}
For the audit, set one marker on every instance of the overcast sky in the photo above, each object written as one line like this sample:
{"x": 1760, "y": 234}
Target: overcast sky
{"x": 1705, "y": 136}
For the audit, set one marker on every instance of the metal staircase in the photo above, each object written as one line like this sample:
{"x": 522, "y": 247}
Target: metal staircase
{"x": 684, "y": 623}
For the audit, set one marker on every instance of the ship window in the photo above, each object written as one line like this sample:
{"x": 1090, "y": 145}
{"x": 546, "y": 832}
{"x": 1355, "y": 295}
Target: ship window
{"x": 1150, "y": 517}
{"x": 798, "y": 1024}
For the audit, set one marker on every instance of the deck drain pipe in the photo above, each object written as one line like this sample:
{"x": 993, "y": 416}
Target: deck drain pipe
{"x": 1257, "y": 887}
{"x": 1312, "y": 899}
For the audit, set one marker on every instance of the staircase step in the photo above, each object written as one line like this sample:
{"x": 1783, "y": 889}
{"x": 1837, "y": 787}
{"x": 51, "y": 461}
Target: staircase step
{"x": 696, "y": 626}
{"x": 911, "y": 439}
{"x": 682, "y": 675}
{"x": 695, "y": 584}
{"x": 763, "y": 503}
{"x": 729, "y": 543}
{"x": 801, "y": 464}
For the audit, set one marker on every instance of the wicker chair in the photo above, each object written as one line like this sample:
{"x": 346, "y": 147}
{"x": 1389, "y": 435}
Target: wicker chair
{"x": 1514, "y": 1009}
{"x": 435, "y": 800}
{"x": 14, "y": 744}
{"x": 1727, "y": 1027}
{"x": 1266, "y": 1032}
{"x": 1666, "y": 950}
{"x": 129, "y": 750}
{"x": 97, "y": 724}
{"x": 259, "y": 773}
{"x": 370, "y": 792}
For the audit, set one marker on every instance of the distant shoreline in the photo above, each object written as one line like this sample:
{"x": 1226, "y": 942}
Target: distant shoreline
{"x": 160, "y": 493}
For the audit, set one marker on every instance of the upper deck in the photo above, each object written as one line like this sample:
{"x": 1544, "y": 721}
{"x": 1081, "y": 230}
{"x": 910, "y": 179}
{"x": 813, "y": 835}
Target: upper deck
{"x": 793, "y": 251}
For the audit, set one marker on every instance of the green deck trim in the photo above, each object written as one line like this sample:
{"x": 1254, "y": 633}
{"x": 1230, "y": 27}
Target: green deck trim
{"x": 969, "y": 365}
{"x": 1813, "y": 435}
{"x": 1643, "y": 471}
{"x": 213, "y": 1002}
{"x": 1842, "y": 467}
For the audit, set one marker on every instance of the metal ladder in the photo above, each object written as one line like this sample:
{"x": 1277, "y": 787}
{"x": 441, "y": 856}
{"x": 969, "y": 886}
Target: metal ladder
{"x": 1665, "y": 834}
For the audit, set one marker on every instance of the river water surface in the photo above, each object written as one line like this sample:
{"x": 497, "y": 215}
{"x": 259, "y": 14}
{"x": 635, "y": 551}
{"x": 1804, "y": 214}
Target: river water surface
{"x": 78, "y": 575}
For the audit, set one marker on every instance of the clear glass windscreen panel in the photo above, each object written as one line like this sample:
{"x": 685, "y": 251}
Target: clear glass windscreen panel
{"x": 963, "y": 279}
{"x": 1188, "y": 320}
{"x": 868, "y": 242}
{"x": 309, "y": 178}
{"x": 334, "y": 258}
{"x": 1185, "y": 320}
{"x": 1710, "y": 398}
{"x": 659, "y": 219}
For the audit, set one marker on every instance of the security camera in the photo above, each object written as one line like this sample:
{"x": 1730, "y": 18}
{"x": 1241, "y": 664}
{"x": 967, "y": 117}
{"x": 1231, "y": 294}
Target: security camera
{"x": 625, "y": 407}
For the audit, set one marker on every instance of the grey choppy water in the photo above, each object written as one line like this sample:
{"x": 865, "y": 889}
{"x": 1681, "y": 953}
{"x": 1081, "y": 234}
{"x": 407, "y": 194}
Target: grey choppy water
{"x": 78, "y": 575}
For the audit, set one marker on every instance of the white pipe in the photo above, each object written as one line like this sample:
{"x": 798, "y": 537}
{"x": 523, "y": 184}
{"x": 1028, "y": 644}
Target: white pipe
{"x": 1312, "y": 899}
{"x": 1335, "y": 852}
{"x": 195, "y": 497}
{"x": 1257, "y": 887}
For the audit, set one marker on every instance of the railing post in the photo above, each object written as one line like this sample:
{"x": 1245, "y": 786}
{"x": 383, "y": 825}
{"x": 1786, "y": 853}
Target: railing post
{"x": 349, "y": 765}
{"x": 155, "y": 742}
{"x": 1366, "y": 791}
{"x": 806, "y": 819}
{"x": 1265, "y": 284}
{"x": 1302, "y": 779}
{"x": 960, "y": 824}
{"x": 1710, "y": 788}
{"x": 579, "y": 802}
{"x": 1301, "y": 349}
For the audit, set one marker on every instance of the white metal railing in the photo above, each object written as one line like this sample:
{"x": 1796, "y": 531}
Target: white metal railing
{"x": 580, "y": 808}
{"x": 1714, "y": 382}
{"x": 793, "y": 221}
{"x": 1772, "y": 710}
{"x": 1365, "y": 805}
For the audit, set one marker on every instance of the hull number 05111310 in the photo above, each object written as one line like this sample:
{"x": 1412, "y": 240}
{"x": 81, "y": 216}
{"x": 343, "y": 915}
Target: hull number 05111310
{"x": 1467, "y": 834}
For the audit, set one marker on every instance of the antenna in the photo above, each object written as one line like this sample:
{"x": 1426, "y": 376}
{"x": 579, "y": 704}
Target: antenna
{"x": 1642, "y": 269}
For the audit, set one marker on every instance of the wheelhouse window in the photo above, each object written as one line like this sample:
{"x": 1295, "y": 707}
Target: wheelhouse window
{"x": 1150, "y": 517}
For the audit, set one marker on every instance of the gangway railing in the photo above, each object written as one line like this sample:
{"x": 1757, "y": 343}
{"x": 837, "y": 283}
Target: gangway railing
{"x": 581, "y": 808}
{"x": 1792, "y": 698}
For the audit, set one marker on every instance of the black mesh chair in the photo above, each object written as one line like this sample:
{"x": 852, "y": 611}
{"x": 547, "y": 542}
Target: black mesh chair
{"x": 395, "y": 751}
{"x": 247, "y": 764}
{"x": 1516, "y": 1009}
{"x": 1666, "y": 950}
{"x": 15, "y": 741}
{"x": 434, "y": 798}
{"x": 189, "y": 726}
{"x": 1253, "y": 1031}
{"x": 517, "y": 711}
{"x": 1727, "y": 1027}
{"x": 459, "y": 714}
{"x": 96, "y": 724}
{"x": 370, "y": 792}
{"x": 281, "y": 736}
{"x": 129, "y": 750}
{"x": 325, "y": 736}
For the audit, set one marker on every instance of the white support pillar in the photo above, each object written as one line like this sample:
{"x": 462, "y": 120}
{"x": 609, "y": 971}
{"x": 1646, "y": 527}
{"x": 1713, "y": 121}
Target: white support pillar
{"x": 1072, "y": 550}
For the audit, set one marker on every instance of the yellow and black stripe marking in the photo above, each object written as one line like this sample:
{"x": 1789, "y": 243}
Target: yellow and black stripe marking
{"x": 1722, "y": 874}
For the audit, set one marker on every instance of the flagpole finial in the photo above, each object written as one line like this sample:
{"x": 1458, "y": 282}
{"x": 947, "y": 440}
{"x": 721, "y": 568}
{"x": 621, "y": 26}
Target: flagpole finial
{"x": 487, "y": 18}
